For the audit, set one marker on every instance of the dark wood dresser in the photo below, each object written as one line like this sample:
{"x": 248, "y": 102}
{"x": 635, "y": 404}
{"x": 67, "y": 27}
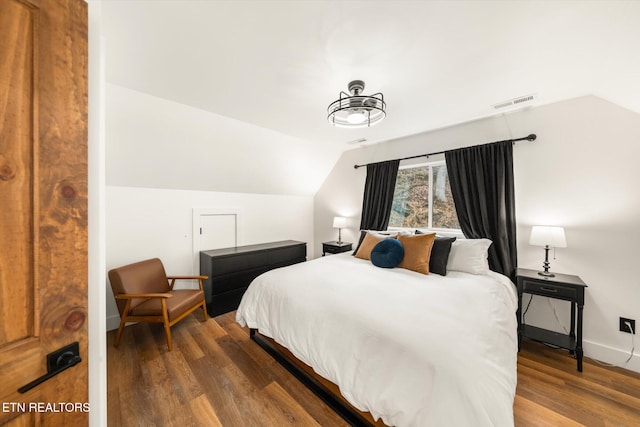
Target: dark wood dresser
{"x": 231, "y": 270}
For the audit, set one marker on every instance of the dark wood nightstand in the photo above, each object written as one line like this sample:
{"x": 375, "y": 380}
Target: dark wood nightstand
{"x": 564, "y": 287}
{"x": 335, "y": 247}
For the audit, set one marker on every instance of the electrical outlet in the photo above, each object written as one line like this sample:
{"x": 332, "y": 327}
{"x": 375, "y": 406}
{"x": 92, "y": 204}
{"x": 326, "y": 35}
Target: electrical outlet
{"x": 624, "y": 327}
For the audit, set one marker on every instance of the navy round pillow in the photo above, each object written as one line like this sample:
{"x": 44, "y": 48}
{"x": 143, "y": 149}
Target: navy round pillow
{"x": 387, "y": 253}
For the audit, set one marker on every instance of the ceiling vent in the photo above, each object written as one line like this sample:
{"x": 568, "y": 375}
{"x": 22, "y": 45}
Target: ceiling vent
{"x": 515, "y": 103}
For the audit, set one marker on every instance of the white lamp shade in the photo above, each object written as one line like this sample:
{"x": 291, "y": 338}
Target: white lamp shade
{"x": 552, "y": 236}
{"x": 339, "y": 222}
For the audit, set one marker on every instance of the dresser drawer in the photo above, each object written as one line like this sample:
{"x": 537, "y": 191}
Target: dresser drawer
{"x": 243, "y": 278}
{"x": 549, "y": 289}
{"x": 225, "y": 302}
{"x": 223, "y": 265}
{"x": 231, "y": 270}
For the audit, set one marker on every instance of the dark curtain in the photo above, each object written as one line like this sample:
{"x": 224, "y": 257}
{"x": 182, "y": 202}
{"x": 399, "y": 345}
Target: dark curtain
{"x": 378, "y": 195}
{"x": 481, "y": 180}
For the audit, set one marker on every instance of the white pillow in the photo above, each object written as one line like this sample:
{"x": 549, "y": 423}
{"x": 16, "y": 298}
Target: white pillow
{"x": 383, "y": 234}
{"x": 469, "y": 256}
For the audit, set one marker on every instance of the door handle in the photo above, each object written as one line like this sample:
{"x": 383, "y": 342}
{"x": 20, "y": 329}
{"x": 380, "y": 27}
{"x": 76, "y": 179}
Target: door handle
{"x": 57, "y": 361}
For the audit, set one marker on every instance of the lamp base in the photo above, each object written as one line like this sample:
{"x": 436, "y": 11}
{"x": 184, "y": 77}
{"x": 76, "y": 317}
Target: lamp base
{"x": 546, "y": 264}
{"x": 546, "y": 274}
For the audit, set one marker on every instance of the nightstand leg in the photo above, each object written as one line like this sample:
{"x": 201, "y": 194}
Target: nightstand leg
{"x": 572, "y": 332}
{"x": 519, "y": 316}
{"x": 579, "y": 351}
{"x": 579, "y": 357}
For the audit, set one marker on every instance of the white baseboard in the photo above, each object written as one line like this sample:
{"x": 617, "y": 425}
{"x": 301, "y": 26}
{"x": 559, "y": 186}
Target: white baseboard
{"x": 113, "y": 322}
{"x": 613, "y": 356}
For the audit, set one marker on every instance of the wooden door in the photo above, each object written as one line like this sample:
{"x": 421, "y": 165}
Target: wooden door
{"x": 43, "y": 208}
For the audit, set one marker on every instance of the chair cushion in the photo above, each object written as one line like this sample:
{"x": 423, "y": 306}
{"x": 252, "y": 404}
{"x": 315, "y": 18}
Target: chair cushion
{"x": 182, "y": 300}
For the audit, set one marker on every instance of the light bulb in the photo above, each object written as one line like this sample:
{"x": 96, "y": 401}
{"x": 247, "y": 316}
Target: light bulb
{"x": 356, "y": 117}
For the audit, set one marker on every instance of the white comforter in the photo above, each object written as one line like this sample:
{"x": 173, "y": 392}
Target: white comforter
{"x": 411, "y": 349}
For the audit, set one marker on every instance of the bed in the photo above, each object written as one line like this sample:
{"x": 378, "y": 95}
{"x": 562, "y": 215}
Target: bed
{"x": 410, "y": 349}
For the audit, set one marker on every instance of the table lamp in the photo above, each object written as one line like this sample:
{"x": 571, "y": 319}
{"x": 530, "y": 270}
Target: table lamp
{"x": 547, "y": 237}
{"x": 339, "y": 223}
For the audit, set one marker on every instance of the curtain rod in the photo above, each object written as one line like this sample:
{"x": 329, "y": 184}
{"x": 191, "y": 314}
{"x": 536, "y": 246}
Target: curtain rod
{"x": 531, "y": 137}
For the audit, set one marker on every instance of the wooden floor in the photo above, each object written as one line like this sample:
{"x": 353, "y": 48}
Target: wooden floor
{"x": 217, "y": 376}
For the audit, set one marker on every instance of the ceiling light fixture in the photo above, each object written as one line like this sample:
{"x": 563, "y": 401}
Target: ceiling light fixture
{"x": 357, "y": 110}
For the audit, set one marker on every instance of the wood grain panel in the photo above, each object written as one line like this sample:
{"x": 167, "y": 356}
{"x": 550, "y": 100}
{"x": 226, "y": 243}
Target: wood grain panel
{"x": 26, "y": 420}
{"x": 17, "y": 140}
{"x": 21, "y": 355}
{"x": 43, "y": 200}
{"x": 62, "y": 271}
{"x": 204, "y": 413}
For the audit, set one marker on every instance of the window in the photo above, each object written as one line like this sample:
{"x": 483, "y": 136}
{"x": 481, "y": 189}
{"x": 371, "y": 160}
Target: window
{"x": 422, "y": 198}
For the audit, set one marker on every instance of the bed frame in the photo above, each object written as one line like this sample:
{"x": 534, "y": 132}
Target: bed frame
{"x": 324, "y": 389}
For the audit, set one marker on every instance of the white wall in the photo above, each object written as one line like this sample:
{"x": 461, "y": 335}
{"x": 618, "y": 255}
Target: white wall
{"x": 164, "y": 159}
{"x": 156, "y": 143}
{"x": 144, "y": 223}
{"x": 581, "y": 173}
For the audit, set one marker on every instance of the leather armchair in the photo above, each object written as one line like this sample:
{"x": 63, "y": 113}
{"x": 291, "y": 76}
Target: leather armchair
{"x": 144, "y": 293}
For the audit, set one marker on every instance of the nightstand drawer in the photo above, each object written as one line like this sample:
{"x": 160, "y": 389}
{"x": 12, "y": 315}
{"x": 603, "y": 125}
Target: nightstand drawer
{"x": 549, "y": 289}
{"x": 335, "y": 247}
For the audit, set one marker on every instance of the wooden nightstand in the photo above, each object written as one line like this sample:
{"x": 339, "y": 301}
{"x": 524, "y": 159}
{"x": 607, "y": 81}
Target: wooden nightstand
{"x": 335, "y": 247}
{"x": 564, "y": 287}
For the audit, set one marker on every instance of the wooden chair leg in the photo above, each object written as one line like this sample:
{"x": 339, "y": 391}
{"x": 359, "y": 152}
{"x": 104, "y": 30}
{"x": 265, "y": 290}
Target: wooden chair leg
{"x": 204, "y": 311}
{"x": 123, "y": 317}
{"x": 116, "y": 343}
{"x": 167, "y": 332}
{"x": 204, "y": 303}
{"x": 167, "y": 327}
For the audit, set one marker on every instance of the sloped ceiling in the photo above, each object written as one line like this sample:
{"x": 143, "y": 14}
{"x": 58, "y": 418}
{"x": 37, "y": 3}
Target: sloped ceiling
{"x": 278, "y": 64}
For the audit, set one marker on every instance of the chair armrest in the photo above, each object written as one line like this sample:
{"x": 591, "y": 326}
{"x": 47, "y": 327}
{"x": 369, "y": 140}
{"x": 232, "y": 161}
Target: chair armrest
{"x": 150, "y": 295}
{"x": 172, "y": 280}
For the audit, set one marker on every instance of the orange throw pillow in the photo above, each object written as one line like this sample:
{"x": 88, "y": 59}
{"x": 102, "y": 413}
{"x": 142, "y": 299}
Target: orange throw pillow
{"x": 367, "y": 245}
{"x": 417, "y": 251}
